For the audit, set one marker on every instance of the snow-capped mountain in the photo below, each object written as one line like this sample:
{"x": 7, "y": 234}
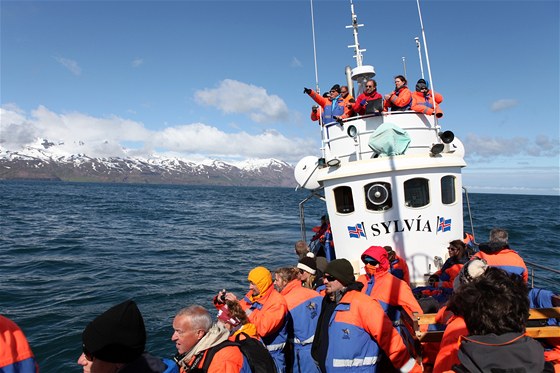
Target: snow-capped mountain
{"x": 46, "y": 160}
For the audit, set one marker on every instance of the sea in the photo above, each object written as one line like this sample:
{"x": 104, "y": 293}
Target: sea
{"x": 69, "y": 251}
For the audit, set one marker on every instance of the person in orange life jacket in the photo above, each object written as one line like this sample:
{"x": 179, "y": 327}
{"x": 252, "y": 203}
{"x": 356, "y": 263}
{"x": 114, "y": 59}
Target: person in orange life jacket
{"x": 369, "y": 94}
{"x": 381, "y": 285}
{"x": 334, "y": 106}
{"x": 115, "y": 341}
{"x": 423, "y": 100}
{"x": 304, "y": 306}
{"x": 455, "y": 324}
{"x": 401, "y": 98}
{"x": 317, "y": 111}
{"x": 399, "y": 268}
{"x": 353, "y": 333}
{"x": 445, "y": 276}
{"x": 267, "y": 310}
{"x": 15, "y": 354}
{"x": 495, "y": 307}
{"x": 195, "y": 335}
{"x": 498, "y": 254}
{"x": 345, "y": 94}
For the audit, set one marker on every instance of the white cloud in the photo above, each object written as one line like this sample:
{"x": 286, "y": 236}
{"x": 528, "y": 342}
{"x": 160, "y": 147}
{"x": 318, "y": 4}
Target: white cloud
{"x": 236, "y": 97}
{"x": 71, "y": 65}
{"x": 295, "y": 62}
{"x": 137, "y": 62}
{"x": 482, "y": 147}
{"x": 103, "y": 137}
{"x": 503, "y": 104}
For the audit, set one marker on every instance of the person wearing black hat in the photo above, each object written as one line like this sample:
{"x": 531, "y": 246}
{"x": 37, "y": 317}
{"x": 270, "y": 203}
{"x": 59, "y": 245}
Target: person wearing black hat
{"x": 353, "y": 330}
{"x": 423, "y": 100}
{"x": 331, "y": 112}
{"x": 114, "y": 342}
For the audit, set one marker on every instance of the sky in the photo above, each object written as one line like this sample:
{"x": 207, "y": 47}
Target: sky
{"x": 224, "y": 79}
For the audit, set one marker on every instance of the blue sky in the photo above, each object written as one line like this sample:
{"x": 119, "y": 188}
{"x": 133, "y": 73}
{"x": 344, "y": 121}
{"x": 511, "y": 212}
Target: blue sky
{"x": 224, "y": 79}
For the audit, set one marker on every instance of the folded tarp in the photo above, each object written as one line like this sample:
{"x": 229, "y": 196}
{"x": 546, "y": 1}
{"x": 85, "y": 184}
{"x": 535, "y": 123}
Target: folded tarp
{"x": 389, "y": 139}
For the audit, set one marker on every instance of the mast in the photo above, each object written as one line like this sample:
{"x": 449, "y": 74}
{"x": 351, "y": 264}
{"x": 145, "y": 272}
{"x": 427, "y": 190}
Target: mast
{"x": 361, "y": 73}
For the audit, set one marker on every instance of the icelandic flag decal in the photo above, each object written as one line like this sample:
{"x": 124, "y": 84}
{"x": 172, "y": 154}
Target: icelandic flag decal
{"x": 356, "y": 231}
{"x": 444, "y": 225}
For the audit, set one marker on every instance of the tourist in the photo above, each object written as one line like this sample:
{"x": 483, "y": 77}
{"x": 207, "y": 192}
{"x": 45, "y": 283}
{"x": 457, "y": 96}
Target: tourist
{"x": 455, "y": 324}
{"x": 115, "y": 341}
{"x": 15, "y": 354}
{"x": 445, "y": 276}
{"x": 203, "y": 344}
{"x": 353, "y": 332}
{"x": 495, "y": 307}
{"x": 497, "y": 253}
{"x": 307, "y": 267}
{"x": 304, "y": 307}
{"x": 301, "y": 249}
{"x": 423, "y": 100}
{"x": 393, "y": 294}
{"x": 401, "y": 98}
{"x": 267, "y": 310}
{"x": 368, "y": 95}
{"x": 333, "y": 106}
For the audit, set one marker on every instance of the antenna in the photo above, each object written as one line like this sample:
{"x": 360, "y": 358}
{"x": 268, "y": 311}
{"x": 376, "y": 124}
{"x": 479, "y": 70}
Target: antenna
{"x": 314, "y": 48}
{"x": 404, "y": 66}
{"x": 417, "y": 40}
{"x": 357, "y": 51}
{"x": 427, "y": 59}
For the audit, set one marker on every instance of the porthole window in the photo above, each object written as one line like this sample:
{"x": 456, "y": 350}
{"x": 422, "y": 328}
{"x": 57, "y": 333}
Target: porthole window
{"x": 343, "y": 199}
{"x": 416, "y": 192}
{"x": 448, "y": 190}
{"x": 378, "y": 196}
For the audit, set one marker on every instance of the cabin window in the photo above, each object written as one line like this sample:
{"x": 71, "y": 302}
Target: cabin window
{"x": 416, "y": 192}
{"x": 378, "y": 196}
{"x": 343, "y": 199}
{"x": 448, "y": 190}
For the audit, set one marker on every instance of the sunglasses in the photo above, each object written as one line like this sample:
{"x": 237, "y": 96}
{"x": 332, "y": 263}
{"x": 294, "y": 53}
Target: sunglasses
{"x": 329, "y": 278}
{"x": 88, "y": 355}
{"x": 301, "y": 271}
{"x": 370, "y": 261}
{"x": 369, "y": 86}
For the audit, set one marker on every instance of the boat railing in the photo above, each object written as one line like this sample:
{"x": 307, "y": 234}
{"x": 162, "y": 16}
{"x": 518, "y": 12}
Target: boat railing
{"x": 313, "y": 194}
{"x": 349, "y": 139}
{"x": 550, "y": 281}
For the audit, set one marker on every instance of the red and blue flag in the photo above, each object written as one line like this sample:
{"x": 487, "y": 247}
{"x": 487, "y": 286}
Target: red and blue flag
{"x": 356, "y": 231}
{"x": 444, "y": 225}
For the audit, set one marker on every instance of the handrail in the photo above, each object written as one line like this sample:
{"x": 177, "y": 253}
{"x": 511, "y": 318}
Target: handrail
{"x": 470, "y": 214}
{"x": 302, "y": 211}
{"x": 542, "y": 267}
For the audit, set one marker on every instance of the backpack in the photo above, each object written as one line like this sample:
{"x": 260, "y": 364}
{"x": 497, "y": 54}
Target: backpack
{"x": 255, "y": 352}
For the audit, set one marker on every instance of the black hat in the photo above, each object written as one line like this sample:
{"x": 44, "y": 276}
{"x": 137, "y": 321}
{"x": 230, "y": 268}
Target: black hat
{"x": 307, "y": 264}
{"x": 336, "y": 87}
{"x": 342, "y": 270}
{"x": 118, "y": 335}
{"x": 421, "y": 84}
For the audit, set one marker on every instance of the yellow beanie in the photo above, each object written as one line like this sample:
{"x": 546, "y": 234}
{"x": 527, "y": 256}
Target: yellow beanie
{"x": 261, "y": 277}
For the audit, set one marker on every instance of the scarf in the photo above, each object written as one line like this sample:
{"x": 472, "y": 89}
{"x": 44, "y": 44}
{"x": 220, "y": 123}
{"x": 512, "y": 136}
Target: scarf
{"x": 216, "y": 335}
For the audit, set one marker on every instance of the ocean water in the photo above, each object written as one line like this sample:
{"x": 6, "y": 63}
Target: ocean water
{"x": 69, "y": 251}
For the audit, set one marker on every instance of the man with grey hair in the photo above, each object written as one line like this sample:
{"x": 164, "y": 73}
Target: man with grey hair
{"x": 197, "y": 338}
{"x": 497, "y": 253}
{"x": 301, "y": 249}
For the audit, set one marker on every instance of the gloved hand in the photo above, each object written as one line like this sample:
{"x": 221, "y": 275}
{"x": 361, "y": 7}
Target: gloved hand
{"x": 433, "y": 279}
{"x": 306, "y": 90}
{"x": 338, "y": 119}
{"x": 363, "y": 102}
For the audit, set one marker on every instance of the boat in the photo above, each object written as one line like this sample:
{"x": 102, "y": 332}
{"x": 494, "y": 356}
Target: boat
{"x": 411, "y": 200}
